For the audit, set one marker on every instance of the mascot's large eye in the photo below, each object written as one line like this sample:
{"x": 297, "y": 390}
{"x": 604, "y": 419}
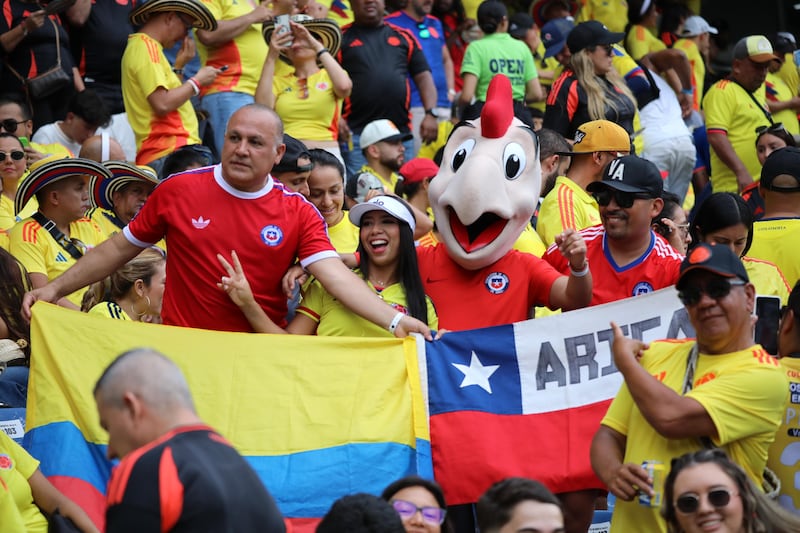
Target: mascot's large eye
{"x": 514, "y": 160}
{"x": 463, "y": 150}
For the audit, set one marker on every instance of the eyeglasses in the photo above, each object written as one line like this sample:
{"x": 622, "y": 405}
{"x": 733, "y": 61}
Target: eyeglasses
{"x": 690, "y": 503}
{"x": 623, "y": 199}
{"x": 431, "y": 515}
{"x": 302, "y": 88}
{"x": 16, "y": 155}
{"x": 424, "y": 32}
{"x": 716, "y": 289}
{"x": 10, "y": 125}
{"x": 684, "y": 228}
{"x": 772, "y": 128}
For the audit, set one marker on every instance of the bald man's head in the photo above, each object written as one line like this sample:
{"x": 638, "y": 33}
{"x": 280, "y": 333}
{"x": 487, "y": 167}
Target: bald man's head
{"x": 92, "y": 148}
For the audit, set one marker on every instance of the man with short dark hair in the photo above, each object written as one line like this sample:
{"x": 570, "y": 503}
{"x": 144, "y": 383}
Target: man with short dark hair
{"x": 721, "y": 390}
{"x": 384, "y": 153}
{"x": 294, "y": 167}
{"x": 176, "y": 473}
{"x": 734, "y": 108}
{"x": 85, "y": 113}
{"x": 777, "y": 234}
{"x": 518, "y": 504}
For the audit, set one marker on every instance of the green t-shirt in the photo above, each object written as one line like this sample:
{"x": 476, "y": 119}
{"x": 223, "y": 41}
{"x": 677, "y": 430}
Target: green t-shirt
{"x": 499, "y": 53}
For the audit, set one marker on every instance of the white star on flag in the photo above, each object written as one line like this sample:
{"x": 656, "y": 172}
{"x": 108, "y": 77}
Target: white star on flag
{"x": 476, "y": 373}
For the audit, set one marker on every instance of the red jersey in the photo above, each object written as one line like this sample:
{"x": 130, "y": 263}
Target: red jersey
{"x": 657, "y": 268}
{"x": 201, "y": 215}
{"x": 501, "y": 293}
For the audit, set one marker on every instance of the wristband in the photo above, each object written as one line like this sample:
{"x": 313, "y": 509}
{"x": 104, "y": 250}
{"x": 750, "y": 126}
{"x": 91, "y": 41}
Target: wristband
{"x": 195, "y": 86}
{"x": 688, "y": 91}
{"x": 580, "y": 273}
{"x": 395, "y": 322}
{"x": 178, "y": 71}
{"x": 323, "y": 51}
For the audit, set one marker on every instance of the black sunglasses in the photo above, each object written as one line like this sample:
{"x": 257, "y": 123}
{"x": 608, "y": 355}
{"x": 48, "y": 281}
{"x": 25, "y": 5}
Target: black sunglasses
{"x": 424, "y": 32}
{"x": 772, "y": 128}
{"x": 607, "y": 47}
{"x": 16, "y": 155}
{"x": 716, "y": 289}
{"x": 624, "y": 199}
{"x": 690, "y": 503}
{"x": 10, "y": 125}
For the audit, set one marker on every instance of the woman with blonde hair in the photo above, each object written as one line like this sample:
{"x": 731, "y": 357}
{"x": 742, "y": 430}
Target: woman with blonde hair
{"x": 590, "y": 88}
{"x": 134, "y": 292}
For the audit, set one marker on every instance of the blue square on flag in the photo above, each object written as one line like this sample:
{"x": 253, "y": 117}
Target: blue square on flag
{"x": 474, "y": 370}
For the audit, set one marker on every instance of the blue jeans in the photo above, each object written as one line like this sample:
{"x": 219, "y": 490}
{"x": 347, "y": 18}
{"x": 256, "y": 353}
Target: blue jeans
{"x": 220, "y": 107}
{"x": 354, "y": 159}
{"x": 14, "y": 386}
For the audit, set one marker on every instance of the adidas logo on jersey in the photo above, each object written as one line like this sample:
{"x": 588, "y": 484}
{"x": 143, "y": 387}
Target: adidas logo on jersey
{"x": 60, "y": 258}
{"x": 201, "y": 223}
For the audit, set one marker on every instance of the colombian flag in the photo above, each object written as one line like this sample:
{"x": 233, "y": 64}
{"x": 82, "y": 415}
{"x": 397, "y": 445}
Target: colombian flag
{"x": 317, "y": 417}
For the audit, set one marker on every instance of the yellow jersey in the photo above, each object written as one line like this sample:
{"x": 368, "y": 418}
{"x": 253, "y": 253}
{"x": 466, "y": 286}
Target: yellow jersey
{"x": 767, "y": 278}
{"x": 639, "y": 42}
{"x": 344, "y": 235}
{"x": 731, "y": 111}
{"x": 776, "y": 240}
{"x": 612, "y": 13}
{"x": 15, "y": 478}
{"x": 689, "y": 47}
{"x": 7, "y": 216}
{"x": 776, "y": 90}
{"x": 784, "y": 454}
{"x": 743, "y": 392}
{"x": 566, "y": 206}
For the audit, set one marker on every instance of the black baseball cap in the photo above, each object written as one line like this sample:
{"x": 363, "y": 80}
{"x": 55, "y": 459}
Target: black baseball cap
{"x": 294, "y": 150}
{"x": 554, "y": 35}
{"x": 490, "y": 15}
{"x": 631, "y": 173}
{"x": 715, "y": 258}
{"x": 591, "y": 33}
{"x": 785, "y": 161}
{"x": 519, "y": 24}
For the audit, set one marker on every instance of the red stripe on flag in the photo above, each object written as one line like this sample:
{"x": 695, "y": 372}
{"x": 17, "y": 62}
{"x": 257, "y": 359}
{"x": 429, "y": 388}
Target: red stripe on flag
{"x": 471, "y": 450}
{"x": 85, "y": 495}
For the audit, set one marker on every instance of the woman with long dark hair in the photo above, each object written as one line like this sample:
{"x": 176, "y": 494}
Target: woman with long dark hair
{"x": 14, "y": 282}
{"x": 724, "y": 218}
{"x": 387, "y": 263}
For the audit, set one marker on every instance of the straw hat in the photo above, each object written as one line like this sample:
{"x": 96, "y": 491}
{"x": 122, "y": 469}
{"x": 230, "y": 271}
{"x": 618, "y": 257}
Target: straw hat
{"x": 123, "y": 173}
{"x": 52, "y": 169}
{"x": 325, "y": 31}
{"x": 202, "y": 17}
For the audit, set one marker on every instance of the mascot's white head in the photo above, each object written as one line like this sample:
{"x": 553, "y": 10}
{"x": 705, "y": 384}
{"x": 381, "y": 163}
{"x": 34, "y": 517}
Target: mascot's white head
{"x": 488, "y": 183}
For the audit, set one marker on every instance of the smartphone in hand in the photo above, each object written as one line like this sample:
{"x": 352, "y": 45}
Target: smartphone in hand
{"x": 282, "y": 26}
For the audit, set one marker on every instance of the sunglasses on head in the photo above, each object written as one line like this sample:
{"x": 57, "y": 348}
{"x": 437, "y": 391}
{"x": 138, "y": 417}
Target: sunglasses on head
{"x": 424, "y": 32}
{"x": 772, "y": 128}
{"x": 715, "y": 289}
{"x": 431, "y": 515}
{"x": 10, "y": 125}
{"x": 16, "y": 155}
{"x": 623, "y": 199}
{"x": 690, "y": 503}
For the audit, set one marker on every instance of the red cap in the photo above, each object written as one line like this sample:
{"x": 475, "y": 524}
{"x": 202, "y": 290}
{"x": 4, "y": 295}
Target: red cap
{"x": 418, "y": 169}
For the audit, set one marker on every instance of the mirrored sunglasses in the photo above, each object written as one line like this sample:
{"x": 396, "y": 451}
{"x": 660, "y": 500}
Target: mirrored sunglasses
{"x": 623, "y": 199}
{"x": 16, "y": 155}
{"x": 690, "y": 503}
{"x": 431, "y": 515}
{"x": 715, "y": 289}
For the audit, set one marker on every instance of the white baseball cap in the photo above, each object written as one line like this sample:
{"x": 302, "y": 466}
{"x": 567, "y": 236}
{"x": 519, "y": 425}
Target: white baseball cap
{"x": 382, "y": 130}
{"x": 695, "y": 25}
{"x": 388, "y": 204}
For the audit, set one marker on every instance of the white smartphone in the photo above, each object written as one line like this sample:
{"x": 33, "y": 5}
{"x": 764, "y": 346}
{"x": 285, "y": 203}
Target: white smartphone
{"x": 282, "y": 26}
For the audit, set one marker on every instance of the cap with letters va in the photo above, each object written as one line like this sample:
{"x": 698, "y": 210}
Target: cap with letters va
{"x": 631, "y": 173}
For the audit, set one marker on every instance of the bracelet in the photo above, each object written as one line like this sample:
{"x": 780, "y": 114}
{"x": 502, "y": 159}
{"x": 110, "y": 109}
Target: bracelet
{"x": 178, "y": 71}
{"x": 580, "y": 273}
{"x": 395, "y": 322}
{"x": 24, "y": 29}
{"x": 688, "y": 91}
{"x": 195, "y": 86}
{"x": 324, "y": 50}
{"x": 451, "y": 92}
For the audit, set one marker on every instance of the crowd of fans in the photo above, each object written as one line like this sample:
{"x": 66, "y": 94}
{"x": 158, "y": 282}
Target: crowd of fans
{"x": 329, "y": 128}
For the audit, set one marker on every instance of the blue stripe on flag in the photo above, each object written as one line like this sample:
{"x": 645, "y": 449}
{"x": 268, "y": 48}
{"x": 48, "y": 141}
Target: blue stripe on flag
{"x": 304, "y": 484}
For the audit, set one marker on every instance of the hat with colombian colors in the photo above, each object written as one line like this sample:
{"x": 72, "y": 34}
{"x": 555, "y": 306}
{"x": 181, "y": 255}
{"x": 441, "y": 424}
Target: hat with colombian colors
{"x": 202, "y": 18}
{"x": 325, "y": 31}
{"x": 52, "y": 169}
{"x": 600, "y": 136}
{"x": 715, "y": 258}
{"x": 755, "y": 47}
{"x": 122, "y": 174}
